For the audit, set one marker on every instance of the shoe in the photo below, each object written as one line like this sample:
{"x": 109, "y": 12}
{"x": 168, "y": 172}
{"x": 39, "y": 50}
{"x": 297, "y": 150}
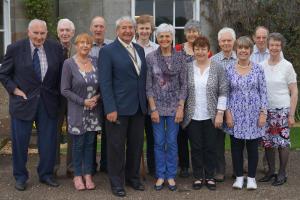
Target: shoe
{"x": 21, "y": 186}
{"x": 251, "y": 184}
{"x": 219, "y": 178}
{"x": 89, "y": 184}
{"x": 279, "y": 182}
{"x": 239, "y": 182}
{"x": 118, "y": 191}
{"x": 210, "y": 184}
{"x": 158, "y": 187}
{"x": 197, "y": 185}
{"x": 184, "y": 172}
{"x": 267, "y": 178}
{"x": 69, "y": 173}
{"x": 78, "y": 183}
{"x": 50, "y": 182}
{"x": 136, "y": 185}
{"x": 172, "y": 187}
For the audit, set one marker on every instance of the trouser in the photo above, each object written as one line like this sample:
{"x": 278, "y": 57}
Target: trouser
{"x": 220, "y": 152}
{"x": 47, "y": 138}
{"x": 150, "y": 144}
{"x": 202, "y": 136}
{"x": 183, "y": 149}
{"x": 237, "y": 147}
{"x": 124, "y": 140}
{"x": 165, "y": 147}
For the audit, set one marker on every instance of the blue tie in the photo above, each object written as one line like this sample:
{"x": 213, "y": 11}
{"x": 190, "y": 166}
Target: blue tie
{"x": 36, "y": 64}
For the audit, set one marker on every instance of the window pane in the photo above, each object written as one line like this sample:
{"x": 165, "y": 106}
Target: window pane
{"x": 143, "y": 7}
{"x": 1, "y": 15}
{"x": 164, "y": 11}
{"x": 183, "y": 11}
{"x": 1, "y": 46}
{"x": 179, "y": 36}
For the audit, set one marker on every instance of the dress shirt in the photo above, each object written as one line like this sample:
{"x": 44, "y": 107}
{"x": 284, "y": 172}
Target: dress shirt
{"x": 258, "y": 57}
{"x": 96, "y": 48}
{"x": 220, "y": 58}
{"x": 151, "y": 46}
{"x": 134, "y": 55}
{"x": 43, "y": 59}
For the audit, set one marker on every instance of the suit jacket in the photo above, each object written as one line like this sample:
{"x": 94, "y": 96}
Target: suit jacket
{"x": 17, "y": 71}
{"x": 122, "y": 89}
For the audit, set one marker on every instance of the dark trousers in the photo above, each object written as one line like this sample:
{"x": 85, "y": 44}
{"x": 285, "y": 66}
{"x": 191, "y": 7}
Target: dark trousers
{"x": 237, "y": 148}
{"x": 82, "y": 149}
{"x": 150, "y": 144}
{"x": 220, "y": 151}
{"x": 103, "y": 153}
{"x": 47, "y": 138}
{"x": 183, "y": 149}
{"x": 124, "y": 140}
{"x": 61, "y": 118}
{"x": 202, "y": 136}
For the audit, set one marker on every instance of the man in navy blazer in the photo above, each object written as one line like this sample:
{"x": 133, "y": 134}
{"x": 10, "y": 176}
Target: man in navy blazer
{"x": 122, "y": 67}
{"x": 30, "y": 72}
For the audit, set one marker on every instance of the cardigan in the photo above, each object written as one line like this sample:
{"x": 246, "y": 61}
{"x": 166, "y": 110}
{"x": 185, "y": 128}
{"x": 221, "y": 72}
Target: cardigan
{"x": 217, "y": 86}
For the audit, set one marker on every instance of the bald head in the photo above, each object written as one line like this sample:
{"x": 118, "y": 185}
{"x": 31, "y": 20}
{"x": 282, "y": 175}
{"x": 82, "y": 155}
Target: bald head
{"x": 98, "y": 28}
{"x": 37, "y": 32}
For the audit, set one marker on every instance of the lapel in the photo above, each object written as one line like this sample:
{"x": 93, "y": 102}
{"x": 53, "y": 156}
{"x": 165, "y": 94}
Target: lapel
{"x": 125, "y": 54}
{"x": 48, "y": 57}
{"x": 27, "y": 58}
{"x": 141, "y": 55}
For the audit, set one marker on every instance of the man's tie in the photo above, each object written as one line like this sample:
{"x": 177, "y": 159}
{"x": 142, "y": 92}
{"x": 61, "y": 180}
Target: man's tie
{"x": 36, "y": 64}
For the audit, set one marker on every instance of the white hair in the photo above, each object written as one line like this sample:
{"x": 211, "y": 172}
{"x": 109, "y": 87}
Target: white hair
{"x": 165, "y": 28}
{"x": 34, "y": 21}
{"x": 226, "y": 30}
{"x": 125, "y": 18}
{"x": 65, "y": 21}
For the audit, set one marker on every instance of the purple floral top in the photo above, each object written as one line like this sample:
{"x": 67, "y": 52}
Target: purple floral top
{"x": 247, "y": 95}
{"x": 166, "y": 81}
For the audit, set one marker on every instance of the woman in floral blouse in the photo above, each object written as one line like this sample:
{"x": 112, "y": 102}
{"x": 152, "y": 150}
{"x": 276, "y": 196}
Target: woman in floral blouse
{"x": 246, "y": 110}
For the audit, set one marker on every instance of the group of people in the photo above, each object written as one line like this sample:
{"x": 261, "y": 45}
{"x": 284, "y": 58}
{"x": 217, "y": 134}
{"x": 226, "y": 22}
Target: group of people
{"x": 131, "y": 86}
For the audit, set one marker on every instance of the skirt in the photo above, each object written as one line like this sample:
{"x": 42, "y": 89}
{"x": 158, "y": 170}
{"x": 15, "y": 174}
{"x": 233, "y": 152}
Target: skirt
{"x": 277, "y": 131}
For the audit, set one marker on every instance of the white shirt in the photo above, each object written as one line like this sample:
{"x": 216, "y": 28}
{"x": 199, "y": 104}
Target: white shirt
{"x": 200, "y": 81}
{"x": 42, "y": 57}
{"x": 258, "y": 57}
{"x": 278, "y": 77}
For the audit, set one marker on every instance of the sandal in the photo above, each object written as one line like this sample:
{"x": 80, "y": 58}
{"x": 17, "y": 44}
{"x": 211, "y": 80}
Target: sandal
{"x": 211, "y": 184}
{"x": 89, "y": 184}
{"x": 197, "y": 184}
{"x": 78, "y": 183}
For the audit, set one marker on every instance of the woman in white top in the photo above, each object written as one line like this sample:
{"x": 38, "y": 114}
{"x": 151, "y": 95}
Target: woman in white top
{"x": 282, "y": 96}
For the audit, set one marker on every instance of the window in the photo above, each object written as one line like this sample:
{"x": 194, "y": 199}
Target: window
{"x": 175, "y": 12}
{"x": 5, "y": 32}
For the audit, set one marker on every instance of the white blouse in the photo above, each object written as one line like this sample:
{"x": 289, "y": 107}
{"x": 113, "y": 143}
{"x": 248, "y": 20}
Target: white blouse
{"x": 278, "y": 78}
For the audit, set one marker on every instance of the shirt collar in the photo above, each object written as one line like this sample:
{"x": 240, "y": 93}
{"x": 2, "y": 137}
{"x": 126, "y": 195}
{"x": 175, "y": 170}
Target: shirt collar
{"x": 232, "y": 56}
{"x": 32, "y": 47}
{"x": 103, "y": 44}
{"x": 256, "y": 51}
{"x": 125, "y": 44}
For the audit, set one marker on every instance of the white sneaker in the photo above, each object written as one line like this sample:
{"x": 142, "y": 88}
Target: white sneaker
{"x": 251, "y": 183}
{"x": 239, "y": 182}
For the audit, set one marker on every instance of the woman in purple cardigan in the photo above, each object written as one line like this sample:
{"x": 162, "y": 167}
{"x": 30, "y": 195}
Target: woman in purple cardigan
{"x": 80, "y": 85}
{"x": 166, "y": 90}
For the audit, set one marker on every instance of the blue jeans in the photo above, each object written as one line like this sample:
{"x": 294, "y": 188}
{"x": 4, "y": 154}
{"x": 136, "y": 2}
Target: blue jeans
{"x": 82, "y": 151}
{"x": 165, "y": 147}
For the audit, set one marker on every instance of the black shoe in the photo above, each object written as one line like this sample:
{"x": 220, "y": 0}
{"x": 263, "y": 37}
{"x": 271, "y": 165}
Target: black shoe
{"x": 184, "y": 172}
{"x": 158, "y": 187}
{"x": 21, "y": 186}
{"x": 197, "y": 185}
{"x": 118, "y": 191}
{"x": 212, "y": 185}
{"x": 136, "y": 186}
{"x": 50, "y": 182}
{"x": 172, "y": 187}
{"x": 267, "y": 178}
{"x": 69, "y": 173}
{"x": 279, "y": 182}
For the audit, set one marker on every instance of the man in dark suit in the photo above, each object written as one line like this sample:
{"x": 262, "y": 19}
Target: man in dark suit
{"x": 30, "y": 73}
{"x": 122, "y": 68}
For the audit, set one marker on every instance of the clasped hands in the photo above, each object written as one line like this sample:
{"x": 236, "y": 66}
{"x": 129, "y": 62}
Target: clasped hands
{"x": 91, "y": 103}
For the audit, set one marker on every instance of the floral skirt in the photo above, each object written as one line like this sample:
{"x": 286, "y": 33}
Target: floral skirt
{"x": 277, "y": 131}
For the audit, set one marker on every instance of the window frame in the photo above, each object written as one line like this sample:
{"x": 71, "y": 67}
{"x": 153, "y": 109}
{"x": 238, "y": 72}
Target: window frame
{"x": 6, "y": 25}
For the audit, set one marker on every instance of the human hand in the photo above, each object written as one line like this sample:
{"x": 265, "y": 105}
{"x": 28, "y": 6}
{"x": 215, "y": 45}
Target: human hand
{"x": 90, "y": 103}
{"x": 20, "y": 93}
{"x": 291, "y": 121}
{"x": 179, "y": 114}
{"x": 112, "y": 117}
{"x": 155, "y": 117}
{"x": 219, "y": 119}
{"x": 229, "y": 119}
{"x": 262, "y": 119}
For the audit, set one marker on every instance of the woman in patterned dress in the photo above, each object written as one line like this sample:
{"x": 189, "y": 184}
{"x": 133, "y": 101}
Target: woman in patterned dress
{"x": 80, "y": 85}
{"x": 282, "y": 97}
{"x": 246, "y": 110}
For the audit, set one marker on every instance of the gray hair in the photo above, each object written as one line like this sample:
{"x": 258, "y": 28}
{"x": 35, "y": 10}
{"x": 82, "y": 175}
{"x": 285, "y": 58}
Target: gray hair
{"x": 125, "y": 18}
{"x": 165, "y": 28}
{"x": 65, "y": 21}
{"x": 34, "y": 21}
{"x": 226, "y": 30}
{"x": 277, "y": 37}
{"x": 192, "y": 24}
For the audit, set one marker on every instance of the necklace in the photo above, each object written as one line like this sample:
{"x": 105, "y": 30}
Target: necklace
{"x": 81, "y": 62}
{"x": 243, "y": 67}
